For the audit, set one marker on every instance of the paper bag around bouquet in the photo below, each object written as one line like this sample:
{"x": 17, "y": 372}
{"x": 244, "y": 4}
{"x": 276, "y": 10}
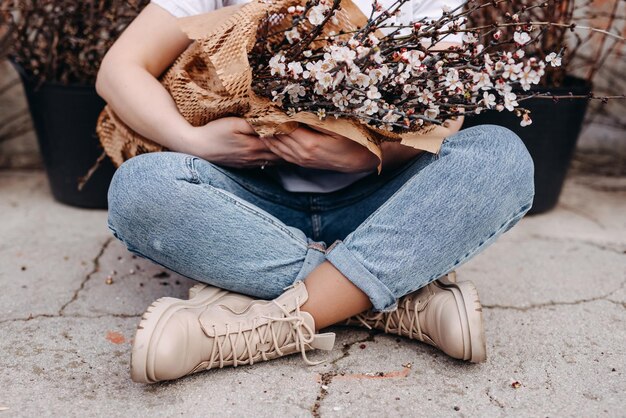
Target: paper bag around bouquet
{"x": 212, "y": 79}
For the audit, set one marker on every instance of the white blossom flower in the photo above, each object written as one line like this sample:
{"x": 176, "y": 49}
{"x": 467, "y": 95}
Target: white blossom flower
{"x": 295, "y": 68}
{"x": 469, "y": 38}
{"x": 321, "y": 113}
{"x": 510, "y": 101}
{"x": 503, "y": 87}
{"x": 359, "y": 79}
{"x": 295, "y": 91}
{"x": 312, "y": 68}
{"x": 526, "y": 120}
{"x": 362, "y": 51}
{"x": 307, "y": 53}
{"x": 554, "y": 59}
{"x": 439, "y": 67}
{"x": 328, "y": 63}
{"x": 409, "y": 88}
{"x": 342, "y": 54}
{"x": 521, "y": 38}
{"x": 277, "y": 98}
{"x": 277, "y": 65}
{"x": 489, "y": 100}
{"x": 373, "y": 93}
{"x": 324, "y": 80}
{"x": 511, "y": 71}
{"x": 481, "y": 80}
{"x": 527, "y": 77}
{"x": 391, "y": 117}
{"x": 425, "y": 97}
{"x": 317, "y": 14}
{"x": 341, "y": 99}
{"x": 413, "y": 58}
{"x": 377, "y": 74}
{"x": 292, "y": 35}
{"x": 369, "y": 107}
{"x": 432, "y": 112}
{"x": 452, "y": 80}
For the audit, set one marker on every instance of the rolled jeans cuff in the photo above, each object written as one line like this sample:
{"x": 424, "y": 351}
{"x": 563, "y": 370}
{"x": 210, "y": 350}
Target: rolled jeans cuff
{"x": 341, "y": 257}
{"x": 315, "y": 255}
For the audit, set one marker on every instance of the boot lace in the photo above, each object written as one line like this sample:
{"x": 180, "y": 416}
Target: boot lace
{"x": 394, "y": 322}
{"x": 268, "y": 334}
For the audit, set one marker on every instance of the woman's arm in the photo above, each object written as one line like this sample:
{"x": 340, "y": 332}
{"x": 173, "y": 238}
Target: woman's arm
{"x": 127, "y": 80}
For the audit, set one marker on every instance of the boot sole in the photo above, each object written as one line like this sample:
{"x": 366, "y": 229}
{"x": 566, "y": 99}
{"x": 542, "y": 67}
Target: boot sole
{"x": 151, "y": 325}
{"x": 471, "y": 311}
{"x": 197, "y": 288}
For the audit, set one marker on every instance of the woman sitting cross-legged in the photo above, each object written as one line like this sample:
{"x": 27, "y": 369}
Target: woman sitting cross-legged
{"x": 294, "y": 233}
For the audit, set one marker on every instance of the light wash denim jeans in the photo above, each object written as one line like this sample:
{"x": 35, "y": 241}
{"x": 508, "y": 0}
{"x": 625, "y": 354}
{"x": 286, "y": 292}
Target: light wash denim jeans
{"x": 390, "y": 234}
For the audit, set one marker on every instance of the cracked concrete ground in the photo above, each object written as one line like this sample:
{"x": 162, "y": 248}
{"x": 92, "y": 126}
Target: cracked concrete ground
{"x": 554, "y": 292}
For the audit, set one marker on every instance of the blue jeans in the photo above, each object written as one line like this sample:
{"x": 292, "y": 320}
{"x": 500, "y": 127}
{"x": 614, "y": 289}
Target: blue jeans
{"x": 390, "y": 234}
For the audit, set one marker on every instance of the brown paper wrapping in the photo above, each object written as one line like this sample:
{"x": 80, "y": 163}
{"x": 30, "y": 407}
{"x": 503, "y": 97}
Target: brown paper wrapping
{"x": 212, "y": 79}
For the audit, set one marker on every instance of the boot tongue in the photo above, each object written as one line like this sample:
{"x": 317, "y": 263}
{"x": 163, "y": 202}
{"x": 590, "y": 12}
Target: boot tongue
{"x": 324, "y": 341}
{"x": 294, "y": 296}
{"x": 215, "y": 318}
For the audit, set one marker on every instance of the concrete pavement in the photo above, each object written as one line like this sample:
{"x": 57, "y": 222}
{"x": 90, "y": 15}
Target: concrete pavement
{"x": 554, "y": 292}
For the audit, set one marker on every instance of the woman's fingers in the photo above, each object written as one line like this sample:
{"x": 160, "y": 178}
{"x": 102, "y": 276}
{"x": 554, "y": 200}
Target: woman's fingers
{"x": 269, "y": 156}
{"x": 295, "y": 147}
{"x": 280, "y": 149}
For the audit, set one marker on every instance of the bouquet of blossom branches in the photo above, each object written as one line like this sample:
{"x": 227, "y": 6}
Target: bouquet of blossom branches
{"x": 396, "y": 76}
{"x": 278, "y": 63}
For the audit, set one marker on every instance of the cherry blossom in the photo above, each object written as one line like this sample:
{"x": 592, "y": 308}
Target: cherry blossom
{"x": 554, "y": 59}
{"x": 521, "y": 38}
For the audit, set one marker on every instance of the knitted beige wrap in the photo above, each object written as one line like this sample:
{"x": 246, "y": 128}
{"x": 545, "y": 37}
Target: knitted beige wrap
{"x": 212, "y": 79}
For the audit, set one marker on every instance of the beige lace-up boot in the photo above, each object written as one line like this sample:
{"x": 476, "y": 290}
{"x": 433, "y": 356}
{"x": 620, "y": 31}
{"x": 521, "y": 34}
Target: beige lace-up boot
{"x": 216, "y": 328}
{"x": 444, "y": 314}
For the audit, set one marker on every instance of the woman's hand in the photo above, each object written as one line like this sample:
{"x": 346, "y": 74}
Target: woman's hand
{"x": 230, "y": 142}
{"x": 324, "y": 150}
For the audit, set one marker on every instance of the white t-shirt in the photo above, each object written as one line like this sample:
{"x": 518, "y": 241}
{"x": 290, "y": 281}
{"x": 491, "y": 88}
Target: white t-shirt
{"x": 300, "y": 179}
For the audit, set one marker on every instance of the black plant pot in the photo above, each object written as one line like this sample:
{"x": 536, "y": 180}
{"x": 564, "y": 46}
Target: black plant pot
{"x": 551, "y": 139}
{"x": 65, "y": 122}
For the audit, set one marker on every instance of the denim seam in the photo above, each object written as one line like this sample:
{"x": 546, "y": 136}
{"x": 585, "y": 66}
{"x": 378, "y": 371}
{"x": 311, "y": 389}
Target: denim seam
{"x": 518, "y": 215}
{"x": 316, "y": 225}
{"x": 261, "y": 215}
{"x": 190, "y": 163}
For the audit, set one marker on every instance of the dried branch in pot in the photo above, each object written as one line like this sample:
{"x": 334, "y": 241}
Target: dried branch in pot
{"x": 583, "y": 51}
{"x": 65, "y": 41}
